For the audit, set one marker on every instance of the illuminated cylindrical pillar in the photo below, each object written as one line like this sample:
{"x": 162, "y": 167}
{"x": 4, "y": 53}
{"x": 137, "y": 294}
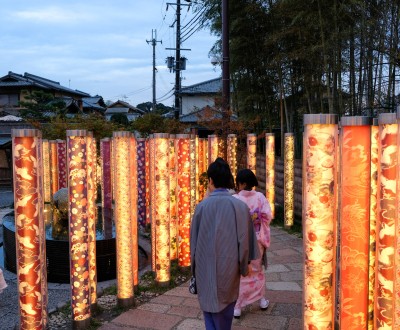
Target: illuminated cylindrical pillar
{"x": 152, "y": 194}
{"x": 141, "y": 184}
{"x": 162, "y": 198}
{"x": 319, "y": 219}
{"x": 212, "y": 148}
{"x": 48, "y": 197}
{"x": 270, "y": 170}
{"x": 92, "y": 216}
{"x": 122, "y": 217}
{"x": 193, "y": 170}
{"x": 134, "y": 208}
{"x": 77, "y": 151}
{"x": 147, "y": 165}
{"x": 62, "y": 164}
{"x": 354, "y": 195}
{"x": 231, "y": 153}
{"x": 106, "y": 186}
{"x": 221, "y": 147}
{"x": 173, "y": 208}
{"x": 53, "y": 167}
{"x": 386, "y": 222}
{"x": 183, "y": 185}
{"x": 373, "y": 215}
{"x": 29, "y": 228}
{"x": 289, "y": 180}
{"x": 251, "y": 152}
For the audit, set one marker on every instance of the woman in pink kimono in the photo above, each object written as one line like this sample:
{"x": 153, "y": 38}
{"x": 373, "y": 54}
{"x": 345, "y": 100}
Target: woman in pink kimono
{"x": 252, "y": 287}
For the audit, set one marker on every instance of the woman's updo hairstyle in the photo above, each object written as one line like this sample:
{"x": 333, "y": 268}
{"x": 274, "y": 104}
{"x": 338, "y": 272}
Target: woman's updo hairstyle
{"x": 247, "y": 177}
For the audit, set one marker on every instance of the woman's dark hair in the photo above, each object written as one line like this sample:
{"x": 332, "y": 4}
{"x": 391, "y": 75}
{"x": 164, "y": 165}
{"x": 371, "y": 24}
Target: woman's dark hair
{"x": 247, "y": 177}
{"x": 220, "y": 172}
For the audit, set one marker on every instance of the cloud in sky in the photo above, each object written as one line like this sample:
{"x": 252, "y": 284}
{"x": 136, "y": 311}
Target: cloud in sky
{"x": 100, "y": 47}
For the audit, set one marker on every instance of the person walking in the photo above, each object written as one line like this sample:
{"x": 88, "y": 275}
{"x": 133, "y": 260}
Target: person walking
{"x": 252, "y": 287}
{"x": 222, "y": 243}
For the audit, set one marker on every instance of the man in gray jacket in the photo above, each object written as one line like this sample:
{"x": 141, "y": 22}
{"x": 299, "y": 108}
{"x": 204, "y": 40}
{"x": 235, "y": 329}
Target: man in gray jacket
{"x": 222, "y": 243}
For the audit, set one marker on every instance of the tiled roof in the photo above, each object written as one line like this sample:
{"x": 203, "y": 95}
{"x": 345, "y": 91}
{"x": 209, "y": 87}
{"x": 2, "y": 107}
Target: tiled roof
{"x": 212, "y": 86}
{"x": 17, "y": 80}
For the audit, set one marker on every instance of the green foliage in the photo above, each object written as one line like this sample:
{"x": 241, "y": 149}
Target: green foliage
{"x": 160, "y": 108}
{"x": 37, "y": 103}
{"x": 279, "y": 221}
{"x": 151, "y": 123}
{"x": 120, "y": 119}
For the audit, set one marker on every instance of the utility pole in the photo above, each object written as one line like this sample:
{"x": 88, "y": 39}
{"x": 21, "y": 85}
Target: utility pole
{"x": 153, "y": 42}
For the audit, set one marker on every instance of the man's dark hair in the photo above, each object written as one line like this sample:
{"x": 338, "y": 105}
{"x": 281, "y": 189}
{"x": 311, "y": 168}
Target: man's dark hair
{"x": 247, "y": 177}
{"x": 220, "y": 172}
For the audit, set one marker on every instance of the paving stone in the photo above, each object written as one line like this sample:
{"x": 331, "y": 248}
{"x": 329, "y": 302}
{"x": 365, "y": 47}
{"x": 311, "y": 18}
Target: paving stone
{"x": 284, "y": 259}
{"x": 294, "y": 275}
{"x": 191, "y": 324}
{"x": 295, "y": 266}
{"x": 291, "y": 310}
{"x": 146, "y": 319}
{"x": 168, "y": 300}
{"x": 264, "y": 322}
{"x": 185, "y": 311}
{"x": 192, "y": 302}
{"x": 289, "y": 297}
{"x": 272, "y": 277}
{"x": 158, "y": 308}
{"x": 276, "y": 268}
{"x": 295, "y": 324}
{"x": 182, "y": 291}
{"x": 111, "y": 326}
{"x": 286, "y": 252}
{"x": 284, "y": 286}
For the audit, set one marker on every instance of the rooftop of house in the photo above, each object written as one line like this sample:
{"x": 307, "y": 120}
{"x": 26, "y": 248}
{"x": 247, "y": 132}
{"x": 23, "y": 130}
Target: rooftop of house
{"x": 206, "y": 87}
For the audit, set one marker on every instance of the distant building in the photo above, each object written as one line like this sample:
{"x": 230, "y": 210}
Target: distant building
{"x": 121, "y": 107}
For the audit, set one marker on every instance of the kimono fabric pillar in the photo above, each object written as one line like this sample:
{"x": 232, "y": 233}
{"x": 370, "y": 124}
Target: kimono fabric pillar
{"x": 162, "y": 198}
{"x": 29, "y": 228}
{"x": 386, "y": 222}
{"x": 183, "y": 185}
{"x": 373, "y": 215}
{"x": 106, "y": 187}
{"x": 289, "y": 180}
{"x": 48, "y": 197}
{"x": 251, "y": 152}
{"x": 141, "y": 182}
{"x": 134, "y": 208}
{"x": 205, "y": 147}
{"x": 197, "y": 174}
{"x": 147, "y": 166}
{"x": 231, "y": 153}
{"x": 77, "y": 153}
{"x": 152, "y": 192}
{"x": 62, "y": 164}
{"x": 212, "y": 148}
{"x": 53, "y": 167}
{"x": 319, "y": 219}
{"x": 122, "y": 218}
{"x": 92, "y": 217}
{"x": 270, "y": 170}
{"x": 202, "y": 168}
{"x": 353, "y": 233}
{"x": 221, "y": 147}
{"x": 193, "y": 171}
{"x": 173, "y": 207}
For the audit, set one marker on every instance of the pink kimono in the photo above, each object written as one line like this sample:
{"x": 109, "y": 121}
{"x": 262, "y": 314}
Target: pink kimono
{"x": 252, "y": 288}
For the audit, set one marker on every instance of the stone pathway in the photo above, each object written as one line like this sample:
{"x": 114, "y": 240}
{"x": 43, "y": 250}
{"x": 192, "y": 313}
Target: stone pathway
{"x": 178, "y": 309}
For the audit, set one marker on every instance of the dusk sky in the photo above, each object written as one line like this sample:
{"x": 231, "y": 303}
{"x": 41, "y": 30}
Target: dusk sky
{"x": 100, "y": 47}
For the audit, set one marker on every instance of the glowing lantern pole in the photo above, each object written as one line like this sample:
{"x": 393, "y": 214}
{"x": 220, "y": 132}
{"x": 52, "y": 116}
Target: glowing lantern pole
{"x": 106, "y": 186}
{"x": 161, "y": 208}
{"x": 48, "y": 197}
{"x": 354, "y": 197}
{"x": 134, "y": 208}
{"x": 183, "y": 185}
{"x": 385, "y": 224}
{"x": 62, "y": 165}
{"x": 29, "y": 228}
{"x": 270, "y": 170}
{"x": 53, "y": 167}
{"x": 231, "y": 153}
{"x": 193, "y": 171}
{"x": 122, "y": 216}
{"x": 77, "y": 153}
{"x": 319, "y": 219}
{"x": 212, "y": 148}
{"x": 373, "y": 215}
{"x": 152, "y": 192}
{"x": 289, "y": 179}
{"x": 251, "y": 152}
{"x": 92, "y": 217}
{"x": 173, "y": 209}
{"x": 141, "y": 184}
{"x": 147, "y": 168}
